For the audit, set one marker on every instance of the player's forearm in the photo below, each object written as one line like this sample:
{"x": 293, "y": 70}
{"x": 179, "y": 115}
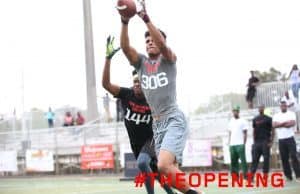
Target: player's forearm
{"x": 124, "y": 42}
{"x": 277, "y": 125}
{"x": 111, "y": 88}
{"x": 129, "y": 51}
{"x": 289, "y": 124}
{"x": 106, "y": 74}
{"x": 154, "y": 32}
{"x": 156, "y": 35}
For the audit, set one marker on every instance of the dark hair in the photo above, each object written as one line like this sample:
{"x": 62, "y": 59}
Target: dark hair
{"x": 134, "y": 72}
{"x": 147, "y": 33}
{"x": 295, "y": 66}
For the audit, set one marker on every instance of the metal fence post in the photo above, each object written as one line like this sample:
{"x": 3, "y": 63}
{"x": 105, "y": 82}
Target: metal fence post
{"x": 117, "y": 155}
{"x": 56, "y": 151}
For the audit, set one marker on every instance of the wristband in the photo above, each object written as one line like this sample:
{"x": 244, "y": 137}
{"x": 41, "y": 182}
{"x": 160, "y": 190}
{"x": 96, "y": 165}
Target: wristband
{"x": 146, "y": 18}
{"x": 125, "y": 22}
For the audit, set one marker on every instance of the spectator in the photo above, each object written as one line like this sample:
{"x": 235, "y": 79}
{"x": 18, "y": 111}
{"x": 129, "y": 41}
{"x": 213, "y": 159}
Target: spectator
{"x": 68, "y": 120}
{"x": 80, "y": 119}
{"x": 237, "y": 140}
{"x": 295, "y": 81}
{"x": 50, "y": 117}
{"x": 263, "y": 135}
{"x": 284, "y": 123}
{"x": 290, "y": 100}
{"x": 119, "y": 110}
{"x": 106, "y": 102}
{"x": 251, "y": 91}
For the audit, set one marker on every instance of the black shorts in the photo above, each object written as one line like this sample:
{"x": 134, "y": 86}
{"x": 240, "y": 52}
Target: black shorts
{"x": 250, "y": 94}
{"x": 147, "y": 148}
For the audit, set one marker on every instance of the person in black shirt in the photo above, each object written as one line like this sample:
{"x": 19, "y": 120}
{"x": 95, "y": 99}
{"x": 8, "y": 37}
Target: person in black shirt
{"x": 263, "y": 135}
{"x": 137, "y": 119}
{"x": 251, "y": 91}
{"x": 119, "y": 110}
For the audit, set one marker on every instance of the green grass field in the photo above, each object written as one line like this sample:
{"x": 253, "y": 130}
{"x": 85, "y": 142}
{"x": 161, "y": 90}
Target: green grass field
{"x": 106, "y": 185}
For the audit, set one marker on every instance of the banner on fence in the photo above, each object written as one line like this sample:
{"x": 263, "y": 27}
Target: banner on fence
{"x": 124, "y": 148}
{"x": 99, "y": 156}
{"x": 131, "y": 168}
{"x": 8, "y": 161}
{"x": 39, "y": 161}
{"x": 197, "y": 153}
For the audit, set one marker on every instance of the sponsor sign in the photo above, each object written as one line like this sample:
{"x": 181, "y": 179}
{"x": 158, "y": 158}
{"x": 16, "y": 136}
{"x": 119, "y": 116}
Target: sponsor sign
{"x": 197, "y": 153}
{"x": 8, "y": 161}
{"x": 39, "y": 161}
{"x": 99, "y": 156}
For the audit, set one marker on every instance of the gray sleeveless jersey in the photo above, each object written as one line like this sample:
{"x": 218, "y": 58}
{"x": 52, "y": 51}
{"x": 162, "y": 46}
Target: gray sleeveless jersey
{"x": 158, "y": 81}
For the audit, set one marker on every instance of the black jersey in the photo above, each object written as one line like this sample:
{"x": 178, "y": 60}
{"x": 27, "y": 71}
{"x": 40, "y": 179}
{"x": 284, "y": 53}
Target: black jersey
{"x": 137, "y": 118}
{"x": 262, "y": 126}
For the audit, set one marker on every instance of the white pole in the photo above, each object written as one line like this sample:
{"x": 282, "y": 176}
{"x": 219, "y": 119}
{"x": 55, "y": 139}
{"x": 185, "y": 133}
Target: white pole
{"x": 23, "y": 105}
{"x": 92, "y": 108}
{"x": 14, "y": 122}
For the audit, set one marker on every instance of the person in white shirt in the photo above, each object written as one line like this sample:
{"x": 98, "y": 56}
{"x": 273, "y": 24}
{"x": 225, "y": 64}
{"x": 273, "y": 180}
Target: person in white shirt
{"x": 291, "y": 103}
{"x": 284, "y": 122}
{"x": 295, "y": 80}
{"x": 237, "y": 140}
{"x": 290, "y": 100}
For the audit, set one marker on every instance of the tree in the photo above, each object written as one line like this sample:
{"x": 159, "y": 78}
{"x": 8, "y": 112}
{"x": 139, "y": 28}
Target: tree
{"x": 222, "y": 103}
{"x": 270, "y": 76}
{"x": 38, "y": 119}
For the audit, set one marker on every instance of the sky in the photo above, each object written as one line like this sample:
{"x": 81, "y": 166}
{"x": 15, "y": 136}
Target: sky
{"x": 216, "y": 42}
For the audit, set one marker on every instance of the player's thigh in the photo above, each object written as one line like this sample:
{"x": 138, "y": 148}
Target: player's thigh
{"x": 175, "y": 138}
{"x": 165, "y": 158}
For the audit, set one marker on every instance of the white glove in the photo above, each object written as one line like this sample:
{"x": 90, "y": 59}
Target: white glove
{"x": 141, "y": 10}
{"x": 140, "y": 6}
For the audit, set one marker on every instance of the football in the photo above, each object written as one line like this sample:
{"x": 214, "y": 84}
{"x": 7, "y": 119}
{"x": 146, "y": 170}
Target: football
{"x": 126, "y": 8}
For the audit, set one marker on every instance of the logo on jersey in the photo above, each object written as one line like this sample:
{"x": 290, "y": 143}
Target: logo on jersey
{"x": 138, "y": 108}
{"x": 152, "y": 67}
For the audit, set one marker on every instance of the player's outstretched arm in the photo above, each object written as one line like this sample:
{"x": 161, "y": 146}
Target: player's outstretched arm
{"x": 110, "y": 52}
{"x": 154, "y": 32}
{"x": 129, "y": 51}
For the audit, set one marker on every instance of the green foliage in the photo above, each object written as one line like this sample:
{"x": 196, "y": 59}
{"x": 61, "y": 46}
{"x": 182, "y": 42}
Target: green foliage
{"x": 219, "y": 101}
{"x": 270, "y": 76}
{"x": 39, "y": 120}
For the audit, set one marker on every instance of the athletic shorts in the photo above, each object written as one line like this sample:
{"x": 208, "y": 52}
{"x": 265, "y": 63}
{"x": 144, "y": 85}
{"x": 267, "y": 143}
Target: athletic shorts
{"x": 170, "y": 134}
{"x": 147, "y": 148}
{"x": 250, "y": 94}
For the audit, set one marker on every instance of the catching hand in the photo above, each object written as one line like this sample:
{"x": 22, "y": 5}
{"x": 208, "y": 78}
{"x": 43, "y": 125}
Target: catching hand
{"x": 141, "y": 10}
{"x": 110, "y": 50}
